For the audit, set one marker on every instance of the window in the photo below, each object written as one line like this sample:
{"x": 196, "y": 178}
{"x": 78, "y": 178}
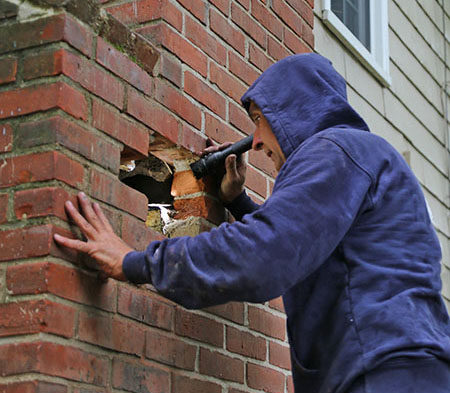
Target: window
{"x": 362, "y": 26}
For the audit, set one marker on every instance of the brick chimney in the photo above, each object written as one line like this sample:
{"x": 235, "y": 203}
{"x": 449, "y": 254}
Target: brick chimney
{"x": 86, "y": 88}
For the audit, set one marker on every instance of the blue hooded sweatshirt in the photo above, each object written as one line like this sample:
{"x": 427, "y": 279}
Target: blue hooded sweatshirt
{"x": 345, "y": 238}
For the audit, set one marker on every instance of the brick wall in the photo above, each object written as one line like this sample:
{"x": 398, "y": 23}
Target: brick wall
{"x": 82, "y": 90}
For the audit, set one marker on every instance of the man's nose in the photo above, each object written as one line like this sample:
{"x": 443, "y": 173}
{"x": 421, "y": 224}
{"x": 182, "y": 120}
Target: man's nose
{"x": 257, "y": 141}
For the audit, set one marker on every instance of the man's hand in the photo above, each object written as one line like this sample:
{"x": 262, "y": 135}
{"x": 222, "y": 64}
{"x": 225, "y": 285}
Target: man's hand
{"x": 102, "y": 243}
{"x": 233, "y": 181}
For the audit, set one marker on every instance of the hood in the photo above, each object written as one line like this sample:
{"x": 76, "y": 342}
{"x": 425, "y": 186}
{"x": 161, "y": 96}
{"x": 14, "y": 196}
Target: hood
{"x": 300, "y": 96}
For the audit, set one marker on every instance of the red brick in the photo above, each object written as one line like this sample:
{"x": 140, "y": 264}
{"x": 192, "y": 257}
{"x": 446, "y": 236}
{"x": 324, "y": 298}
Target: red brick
{"x": 31, "y": 242}
{"x": 294, "y": 43}
{"x": 258, "y": 58}
{"x": 247, "y": 24}
{"x": 135, "y": 137}
{"x": 112, "y": 191}
{"x": 244, "y": 3}
{"x": 220, "y": 131}
{"x": 202, "y": 206}
{"x": 62, "y": 281}
{"x": 111, "y": 333}
{"x": 271, "y": 185}
{"x": 303, "y": 9}
{"x": 77, "y": 35}
{"x": 8, "y": 70}
{"x": 41, "y": 202}
{"x": 136, "y": 234}
{"x": 41, "y": 98}
{"x": 40, "y": 167}
{"x": 263, "y": 378}
{"x": 289, "y": 384}
{"x": 222, "y": 5}
{"x": 198, "y": 327}
{"x": 178, "y": 45}
{"x": 68, "y": 134}
{"x": 200, "y": 91}
{"x": 240, "y": 119}
{"x": 170, "y": 350}
{"x": 308, "y": 35}
{"x": 245, "y": 344}
{"x": 276, "y": 50}
{"x": 242, "y": 69}
{"x": 152, "y": 115}
{"x": 145, "y": 306}
{"x": 266, "y": 323}
{"x": 226, "y": 31}
{"x": 141, "y": 11}
{"x": 232, "y": 311}
{"x": 170, "y": 69}
{"x": 277, "y": 304}
{"x": 3, "y": 207}
{"x": 279, "y": 355}
{"x": 38, "y": 32}
{"x": 262, "y": 14}
{"x": 288, "y": 15}
{"x": 221, "y": 366}
{"x": 78, "y": 69}
{"x": 43, "y": 63}
{"x": 93, "y": 79}
{"x": 185, "y": 183}
{"x": 6, "y": 138}
{"x": 177, "y": 103}
{"x": 196, "y": 8}
{"x": 36, "y": 316}
{"x": 191, "y": 139}
{"x": 226, "y": 82}
{"x": 46, "y": 30}
{"x": 122, "y": 66}
{"x": 185, "y": 384}
{"x": 139, "y": 378}
{"x": 32, "y": 387}
{"x": 137, "y": 11}
{"x": 197, "y": 34}
{"x": 54, "y": 360}
{"x": 256, "y": 182}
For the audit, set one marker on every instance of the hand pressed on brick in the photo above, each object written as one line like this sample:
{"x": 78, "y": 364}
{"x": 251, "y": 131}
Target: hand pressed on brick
{"x": 102, "y": 243}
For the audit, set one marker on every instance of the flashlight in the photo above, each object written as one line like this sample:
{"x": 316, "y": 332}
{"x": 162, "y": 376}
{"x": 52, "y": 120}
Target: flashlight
{"x": 211, "y": 161}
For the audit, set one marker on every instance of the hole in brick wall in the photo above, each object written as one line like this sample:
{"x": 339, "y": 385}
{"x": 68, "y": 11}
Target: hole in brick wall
{"x": 152, "y": 177}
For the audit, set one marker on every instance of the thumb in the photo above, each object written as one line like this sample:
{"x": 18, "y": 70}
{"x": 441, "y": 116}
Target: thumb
{"x": 230, "y": 165}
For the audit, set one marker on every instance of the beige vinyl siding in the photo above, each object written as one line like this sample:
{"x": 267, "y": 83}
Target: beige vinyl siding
{"x": 411, "y": 112}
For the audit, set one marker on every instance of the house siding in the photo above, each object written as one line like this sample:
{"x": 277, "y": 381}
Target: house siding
{"x": 410, "y": 113}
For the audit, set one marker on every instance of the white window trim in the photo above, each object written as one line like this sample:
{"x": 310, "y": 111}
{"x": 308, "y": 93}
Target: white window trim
{"x": 376, "y": 61}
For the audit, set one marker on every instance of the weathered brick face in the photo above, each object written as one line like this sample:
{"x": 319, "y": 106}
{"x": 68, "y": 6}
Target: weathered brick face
{"x": 85, "y": 86}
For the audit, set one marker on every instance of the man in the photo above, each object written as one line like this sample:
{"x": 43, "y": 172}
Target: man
{"x": 345, "y": 238}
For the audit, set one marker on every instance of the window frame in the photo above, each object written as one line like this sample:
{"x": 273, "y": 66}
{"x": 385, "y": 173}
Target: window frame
{"x": 377, "y": 60}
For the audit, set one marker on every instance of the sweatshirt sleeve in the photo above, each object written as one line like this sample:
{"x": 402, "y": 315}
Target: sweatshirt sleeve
{"x": 316, "y": 198}
{"x": 241, "y": 206}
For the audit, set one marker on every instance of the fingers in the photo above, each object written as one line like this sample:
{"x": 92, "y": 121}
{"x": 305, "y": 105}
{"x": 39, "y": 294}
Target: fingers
{"x": 81, "y": 222}
{"x": 88, "y": 212}
{"x": 230, "y": 166}
{"x": 71, "y": 243}
{"x": 212, "y": 149}
{"x": 102, "y": 217}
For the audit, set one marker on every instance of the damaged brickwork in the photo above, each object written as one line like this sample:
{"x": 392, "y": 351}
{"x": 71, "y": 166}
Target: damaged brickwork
{"x": 94, "y": 94}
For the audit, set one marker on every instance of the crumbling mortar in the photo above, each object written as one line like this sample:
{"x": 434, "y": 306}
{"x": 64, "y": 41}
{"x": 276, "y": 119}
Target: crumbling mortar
{"x": 3, "y": 291}
{"x": 107, "y": 26}
{"x": 27, "y": 11}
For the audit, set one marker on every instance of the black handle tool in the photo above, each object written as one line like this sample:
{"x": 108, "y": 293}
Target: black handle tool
{"x": 211, "y": 161}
